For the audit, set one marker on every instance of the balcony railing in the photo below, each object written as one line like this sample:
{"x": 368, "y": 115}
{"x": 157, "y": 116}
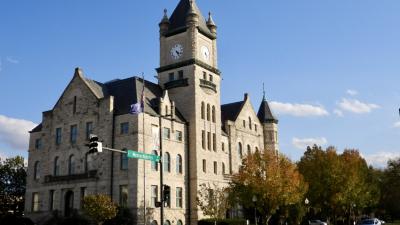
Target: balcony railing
{"x": 92, "y": 174}
{"x": 177, "y": 83}
{"x": 208, "y": 84}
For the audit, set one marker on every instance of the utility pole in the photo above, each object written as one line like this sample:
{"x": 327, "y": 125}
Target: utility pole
{"x": 161, "y": 174}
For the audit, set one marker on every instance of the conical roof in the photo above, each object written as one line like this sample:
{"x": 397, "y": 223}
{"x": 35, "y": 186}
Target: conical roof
{"x": 179, "y": 17}
{"x": 265, "y": 114}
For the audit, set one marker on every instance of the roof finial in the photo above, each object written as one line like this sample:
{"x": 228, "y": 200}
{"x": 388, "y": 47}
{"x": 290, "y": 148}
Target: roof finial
{"x": 263, "y": 91}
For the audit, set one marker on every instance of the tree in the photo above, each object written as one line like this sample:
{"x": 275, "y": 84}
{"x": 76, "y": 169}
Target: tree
{"x": 390, "y": 189}
{"x": 213, "y": 201}
{"x": 272, "y": 178}
{"x": 12, "y": 185}
{"x": 99, "y": 208}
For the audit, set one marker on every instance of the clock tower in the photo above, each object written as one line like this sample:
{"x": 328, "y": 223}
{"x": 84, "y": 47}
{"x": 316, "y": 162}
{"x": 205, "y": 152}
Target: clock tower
{"x": 189, "y": 72}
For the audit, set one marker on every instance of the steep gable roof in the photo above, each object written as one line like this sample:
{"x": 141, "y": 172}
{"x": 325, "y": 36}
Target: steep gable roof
{"x": 231, "y": 111}
{"x": 265, "y": 114}
{"x": 179, "y": 16}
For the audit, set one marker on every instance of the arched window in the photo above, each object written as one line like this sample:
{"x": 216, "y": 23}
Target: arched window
{"x": 179, "y": 164}
{"x": 208, "y": 112}
{"x": 167, "y": 162}
{"x": 154, "y": 222}
{"x": 167, "y": 222}
{"x": 71, "y": 165}
{"x": 213, "y": 114}
{"x": 154, "y": 165}
{"x": 56, "y": 167}
{"x": 257, "y": 149}
{"x": 240, "y": 150}
{"x": 179, "y": 222}
{"x": 248, "y": 150}
{"x": 223, "y": 168}
{"x": 202, "y": 110}
{"x": 36, "y": 172}
{"x": 250, "y": 124}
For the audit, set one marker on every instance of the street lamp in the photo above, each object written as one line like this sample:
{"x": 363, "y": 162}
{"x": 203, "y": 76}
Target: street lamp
{"x": 308, "y": 209}
{"x": 254, "y": 199}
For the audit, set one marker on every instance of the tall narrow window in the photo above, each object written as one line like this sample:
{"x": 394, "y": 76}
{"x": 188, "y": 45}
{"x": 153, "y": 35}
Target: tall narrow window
{"x": 58, "y": 136}
{"x": 179, "y": 222}
{"x": 154, "y": 195}
{"x": 123, "y": 195}
{"x": 208, "y": 140}
{"x": 178, "y": 135}
{"x": 244, "y": 123}
{"x": 215, "y": 167}
{"x": 179, "y": 167}
{"x": 56, "y": 171}
{"x": 203, "y": 139}
{"x": 214, "y": 142}
{"x": 36, "y": 172}
{"x": 171, "y": 76}
{"x": 204, "y": 75}
{"x": 51, "y": 200}
{"x": 180, "y": 74}
{"x": 248, "y": 150}
{"x": 240, "y": 150}
{"x": 204, "y": 166}
{"x": 223, "y": 168}
{"x": 83, "y": 195}
{"x": 124, "y": 161}
{"x": 179, "y": 202}
{"x": 71, "y": 165}
{"x": 35, "y": 202}
{"x": 223, "y": 146}
{"x": 74, "y": 107}
{"x": 202, "y": 111}
{"x": 255, "y": 127}
{"x": 210, "y": 77}
{"x": 124, "y": 128}
{"x": 250, "y": 123}
{"x": 213, "y": 114}
{"x": 208, "y": 112}
{"x": 89, "y": 129}
{"x": 73, "y": 134}
{"x": 38, "y": 143}
{"x": 154, "y": 165}
{"x": 167, "y": 162}
{"x": 166, "y": 133}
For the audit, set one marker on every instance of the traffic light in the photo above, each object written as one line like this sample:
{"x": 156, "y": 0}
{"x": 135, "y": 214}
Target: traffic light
{"x": 94, "y": 144}
{"x": 166, "y": 193}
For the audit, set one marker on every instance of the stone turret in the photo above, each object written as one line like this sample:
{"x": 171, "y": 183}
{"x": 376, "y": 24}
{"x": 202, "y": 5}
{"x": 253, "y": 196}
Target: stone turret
{"x": 164, "y": 24}
{"x": 211, "y": 25}
{"x": 270, "y": 126}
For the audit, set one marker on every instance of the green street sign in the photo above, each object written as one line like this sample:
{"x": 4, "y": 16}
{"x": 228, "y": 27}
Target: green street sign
{"x": 139, "y": 155}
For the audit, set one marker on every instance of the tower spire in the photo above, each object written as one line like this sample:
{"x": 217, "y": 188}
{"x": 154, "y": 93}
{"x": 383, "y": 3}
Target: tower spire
{"x": 263, "y": 91}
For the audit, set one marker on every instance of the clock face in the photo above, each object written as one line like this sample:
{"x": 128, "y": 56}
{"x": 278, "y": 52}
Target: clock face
{"x": 205, "y": 53}
{"x": 177, "y": 51}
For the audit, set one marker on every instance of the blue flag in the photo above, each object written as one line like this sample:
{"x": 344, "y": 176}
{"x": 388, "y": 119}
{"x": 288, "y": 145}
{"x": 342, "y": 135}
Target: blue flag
{"x": 136, "y": 108}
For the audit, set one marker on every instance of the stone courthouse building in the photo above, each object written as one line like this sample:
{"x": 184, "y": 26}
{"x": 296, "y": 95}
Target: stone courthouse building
{"x": 202, "y": 140}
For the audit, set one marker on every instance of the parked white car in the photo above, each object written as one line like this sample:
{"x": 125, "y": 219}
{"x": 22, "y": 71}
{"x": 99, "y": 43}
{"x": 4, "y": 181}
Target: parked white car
{"x": 373, "y": 221}
{"x": 317, "y": 222}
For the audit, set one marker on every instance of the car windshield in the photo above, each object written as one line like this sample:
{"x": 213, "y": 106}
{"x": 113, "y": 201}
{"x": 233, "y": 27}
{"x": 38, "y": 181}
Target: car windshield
{"x": 368, "y": 222}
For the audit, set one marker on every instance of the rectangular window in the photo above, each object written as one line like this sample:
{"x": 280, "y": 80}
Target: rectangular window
{"x": 89, "y": 129}
{"x": 180, "y": 74}
{"x": 51, "y": 200}
{"x": 215, "y": 168}
{"x": 123, "y": 195}
{"x": 204, "y": 75}
{"x": 58, "y": 136}
{"x": 211, "y": 78}
{"x": 223, "y": 146}
{"x": 179, "y": 202}
{"x": 124, "y": 161}
{"x": 208, "y": 140}
{"x": 214, "y": 142}
{"x": 204, "y": 166}
{"x": 171, "y": 76}
{"x": 35, "y": 202}
{"x": 244, "y": 123}
{"x": 124, "y": 128}
{"x": 255, "y": 127}
{"x": 154, "y": 195}
{"x": 203, "y": 139}
{"x": 74, "y": 133}
{"x": 38, "y": 143}
{"x": 276, "y": 136}
{"x": 166, "y": 133}
{"x": 83, "y": 195}
{"x": 178, "y": 135}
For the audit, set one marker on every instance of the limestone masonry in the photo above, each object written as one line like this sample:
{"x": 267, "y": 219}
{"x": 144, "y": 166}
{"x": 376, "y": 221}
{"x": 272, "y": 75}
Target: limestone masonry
{"x": 203, "y": 141}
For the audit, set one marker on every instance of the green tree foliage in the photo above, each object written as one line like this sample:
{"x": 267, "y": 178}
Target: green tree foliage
{"x": 213, "y": 201}
{"x": 273, "y": 179}
{"x": 338, "y": 183}
{"x": 391, "y": 189}
{"x": 12, "y": 185}
{"x": 99, "y": 208}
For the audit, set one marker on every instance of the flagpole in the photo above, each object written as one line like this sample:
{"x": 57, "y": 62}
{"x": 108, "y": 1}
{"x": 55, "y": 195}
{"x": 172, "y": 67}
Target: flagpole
{"x": 144, "y": 151}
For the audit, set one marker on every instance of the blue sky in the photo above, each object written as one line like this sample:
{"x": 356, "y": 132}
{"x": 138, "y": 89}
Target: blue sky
{"x": 331, "y": 68}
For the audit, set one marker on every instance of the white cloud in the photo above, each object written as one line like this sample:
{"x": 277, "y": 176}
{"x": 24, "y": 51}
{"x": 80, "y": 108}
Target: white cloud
{"x": 397, "y": 124}
{"x": 303, "y": 143}
{"x": 380, "y": 159}
{"x": 14, "y": 132}
{"x": 338, "y": 112}
{"x": 12, "y": 60}
{"x": 301, "y": 110}
{"x": 356, "y": 106}
{"x": 352, "y": 92}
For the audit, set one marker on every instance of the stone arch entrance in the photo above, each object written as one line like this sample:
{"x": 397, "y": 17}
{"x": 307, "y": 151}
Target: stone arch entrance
{"x": 69, "y": 203}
